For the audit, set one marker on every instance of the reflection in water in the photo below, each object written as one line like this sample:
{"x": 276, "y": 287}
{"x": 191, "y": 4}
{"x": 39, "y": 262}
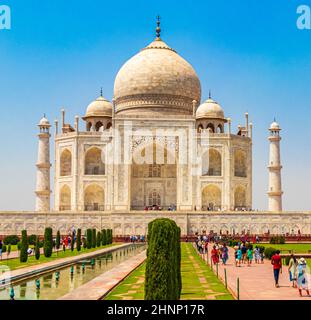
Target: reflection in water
{"x": 53, "y": 285}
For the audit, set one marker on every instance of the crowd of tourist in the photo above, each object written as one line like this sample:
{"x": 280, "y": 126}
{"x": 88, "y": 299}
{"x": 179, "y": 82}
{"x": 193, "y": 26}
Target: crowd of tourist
{"x": 246, "y": 253}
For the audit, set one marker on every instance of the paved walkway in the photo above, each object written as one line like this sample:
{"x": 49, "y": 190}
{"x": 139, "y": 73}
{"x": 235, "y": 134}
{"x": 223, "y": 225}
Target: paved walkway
{"x": 101, "y": 285}
{"x": 44, "y": 267}
{"x": 15, "y": 254}
{"x": 257, "y": 281}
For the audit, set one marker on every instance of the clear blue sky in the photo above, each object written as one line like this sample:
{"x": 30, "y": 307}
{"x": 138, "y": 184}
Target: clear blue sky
{"x": 250, "y": 53}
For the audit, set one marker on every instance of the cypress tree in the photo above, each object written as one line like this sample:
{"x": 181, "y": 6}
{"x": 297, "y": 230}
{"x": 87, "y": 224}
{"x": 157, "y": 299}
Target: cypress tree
{"x": 162, "y": 278}
{"x": 58, "y": 240}
{"x": 37, "y": 249}
{"x": 98, "y": 239}
{"x": 104, "y": 237}
{"x": 94, "y": 238}
{"x": 48, "y": 242}
{"x": 89, "y": 238}
{"x": 24, "y": 247}
{"x": 72, "y": 243}
{"x": 79, "y": 240}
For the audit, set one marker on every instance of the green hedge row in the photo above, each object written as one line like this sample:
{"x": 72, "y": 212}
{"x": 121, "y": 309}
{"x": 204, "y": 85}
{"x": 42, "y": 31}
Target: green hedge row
{"x": 163, "y": 275}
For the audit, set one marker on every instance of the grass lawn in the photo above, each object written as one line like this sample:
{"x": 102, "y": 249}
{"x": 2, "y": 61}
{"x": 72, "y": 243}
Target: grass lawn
{"x": 14, "y": 264}
{"x": 297, "y": 247}
{"x": 198, "y": 281}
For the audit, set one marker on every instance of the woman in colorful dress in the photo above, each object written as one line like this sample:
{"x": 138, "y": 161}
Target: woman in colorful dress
{"x": 250, "y": 256}
{"x": 292, "y": 270}
{"x": 224, "y": 254}
{"x": 215, "y": 256}
{"x": 257, "y": 255}
{"x": 303, "y": 277}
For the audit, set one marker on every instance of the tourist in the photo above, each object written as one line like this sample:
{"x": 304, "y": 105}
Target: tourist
{"x": 292, "y": 270}
{"x": 257, "y": 255}
{"x": 224, "y": 254}
{"x": 303, "y": 277}
{"x": 249, "y": 256}
{"x": 244, "y": 251}
{"x": 239, "y": 257}
{"x": 215, "y": 256}
{"x": 262, "y": 256}
{"x": 276, "y": 261}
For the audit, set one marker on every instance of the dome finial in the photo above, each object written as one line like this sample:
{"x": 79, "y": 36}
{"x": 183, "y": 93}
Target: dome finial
{"x": 101, "y": 91}
{"x": 210, "y": 94}
{"x": 158, "y": 29}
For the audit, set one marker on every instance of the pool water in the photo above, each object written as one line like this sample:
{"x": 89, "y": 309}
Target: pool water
{"x": 56, "y": 284}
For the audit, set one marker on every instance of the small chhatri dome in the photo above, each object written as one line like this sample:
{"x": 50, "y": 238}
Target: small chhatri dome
{"x": 101, "y": 107}
{"x": 44, "y": 121}
{"x": 210, "y": 109}
{"x": 275, "y": 126}
{"x": 156, "y": 80}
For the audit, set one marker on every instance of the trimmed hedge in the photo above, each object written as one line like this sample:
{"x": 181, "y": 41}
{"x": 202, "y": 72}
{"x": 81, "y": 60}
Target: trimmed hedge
{"x": 98, "y": 239}
{"x": 12, "y": 239}
{"x": 104, "y": 237}
{"x": 37, "y": 249}
{"x": 277, "y": 240}
{"x": 163, "y": 275}
{"x": 269, "y": 252}
{"x": 89, "y": 238}
{"x": 79, "y": 240}
{"x": 24, "y": 247}
{"x": 94, "y": 238}
{"x": 58, "y": 240}
{"x": 48, "y": 242}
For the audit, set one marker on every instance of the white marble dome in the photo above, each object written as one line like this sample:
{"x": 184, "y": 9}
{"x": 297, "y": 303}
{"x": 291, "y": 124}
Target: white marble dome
{"x": 274, "y": 126}
{"x": 100, "y": 107}
{"x": 210, "y": 109}
{"x": 156, "y": 79}
{"x": 44, "y": 122}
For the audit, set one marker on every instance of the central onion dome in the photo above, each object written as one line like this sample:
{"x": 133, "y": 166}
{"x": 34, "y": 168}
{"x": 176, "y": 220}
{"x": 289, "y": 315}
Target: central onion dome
{"x": 156, "y": 80}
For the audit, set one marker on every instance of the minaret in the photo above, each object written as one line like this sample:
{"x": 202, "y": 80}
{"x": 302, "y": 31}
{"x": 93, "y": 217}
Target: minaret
{"x": 275, "y": 185}
{"x": 43, "y": 190}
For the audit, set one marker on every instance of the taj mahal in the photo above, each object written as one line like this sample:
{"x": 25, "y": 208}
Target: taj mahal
{"x": 155, "y": 150}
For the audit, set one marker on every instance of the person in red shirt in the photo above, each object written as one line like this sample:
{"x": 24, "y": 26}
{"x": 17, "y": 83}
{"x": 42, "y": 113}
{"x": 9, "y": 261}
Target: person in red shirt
{"x": 276, "y": 261}
{"x": 215, "y": 256}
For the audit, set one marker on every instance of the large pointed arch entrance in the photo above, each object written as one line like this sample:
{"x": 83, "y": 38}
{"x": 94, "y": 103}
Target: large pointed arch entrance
{"x": 154, "y": 180}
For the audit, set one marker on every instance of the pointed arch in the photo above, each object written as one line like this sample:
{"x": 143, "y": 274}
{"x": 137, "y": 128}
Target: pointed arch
{"x": 211, "y": 197}
{"x": 98, "y": 125}
{"x": 65, "y": 198}
{"x": 66, "y": 163}
{"x": 94, "y": 198}
{"x": 240, "y": 197}
{"x": 211, "y": 128}
{"x": 240, "y": 167}
{"x": 211, "y": 163}
{"x": 93, "y": 164}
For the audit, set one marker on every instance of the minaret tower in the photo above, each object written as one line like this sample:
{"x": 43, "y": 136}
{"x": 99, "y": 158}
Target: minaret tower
{"x": 275, "y": 185}
{"x": 43, "y": 190}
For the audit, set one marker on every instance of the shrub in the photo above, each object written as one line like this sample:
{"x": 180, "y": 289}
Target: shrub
{"x": 48, "y": 242}
{"x": 282, "y": 240}
{"x": 93, "y": 238}
{"x": 37, "y": 249}
{"x": 57, "y": 240}
{"x": 9, "y": 249}
{"x": 32, "y": 239}
{"x": 162, "y": 277}
{"x": 72, "y": 243}
{"x": 12, "y": 239}
{"x": 269, "y": 252}
{"x": 84, "y": 243}
{"x": 261, "y": 248}
{"x": 79, "y": 240}
{"x": 4, "y": 248}
{"x": 24, "y": 247}
{"x": 89, "y": 238}
{"x": 104, "y": 237}
{"x": 98, "y": 239}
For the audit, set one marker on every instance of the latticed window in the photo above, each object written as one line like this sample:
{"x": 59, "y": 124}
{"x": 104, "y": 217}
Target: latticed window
{"x": 154, "y": 198}
{"x": 154, "y": 171}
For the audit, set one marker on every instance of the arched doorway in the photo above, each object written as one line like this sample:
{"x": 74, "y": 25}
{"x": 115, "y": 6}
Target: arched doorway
{"x": 65, "y": 163}
{"x": 65, "y": 198}
{"x": 154, "y": 185}
{"x": 94, "y": 198}
{"x": 240, "y": 198}
{"x": 211, "y": 198}
{"x": 94, "y": 164}
{"x": 211, "y": 163}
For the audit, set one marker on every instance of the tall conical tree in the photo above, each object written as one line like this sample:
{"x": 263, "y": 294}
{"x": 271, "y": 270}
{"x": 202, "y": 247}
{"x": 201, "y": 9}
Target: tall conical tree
{"x": 48, "y": 242}
{"x": 24, "y": 247}
{"x": 79, "y": 240}
{"x": 37, "y": 248}
{"x": 104, "y": 237}
{"x": 58, "y": 240}
{"x": 94, "y": 238}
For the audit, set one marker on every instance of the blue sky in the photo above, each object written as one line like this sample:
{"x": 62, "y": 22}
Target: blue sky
{"x": 248, "y": 52}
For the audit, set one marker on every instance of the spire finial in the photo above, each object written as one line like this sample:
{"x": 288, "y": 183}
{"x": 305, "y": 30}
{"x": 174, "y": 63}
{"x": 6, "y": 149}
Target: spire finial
{"x": 158, "y": 29}
{"x": 101, "y": 91}
{"x": 210, "y": 94}
{"x": 43, "y": 115}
